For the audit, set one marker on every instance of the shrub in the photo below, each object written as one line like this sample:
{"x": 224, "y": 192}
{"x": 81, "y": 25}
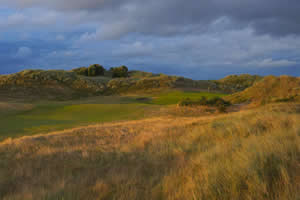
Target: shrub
{"x": 119, "y": 72}
{"x": 81, "y": 71}
{"x": 96, "y": 70}
{"x": 217, "y": 102}
{"x": 203, "y": 101}
{"x": 287, "y": 99}
{"x": 186, "y": 102}
{"x": 222, "y": 108}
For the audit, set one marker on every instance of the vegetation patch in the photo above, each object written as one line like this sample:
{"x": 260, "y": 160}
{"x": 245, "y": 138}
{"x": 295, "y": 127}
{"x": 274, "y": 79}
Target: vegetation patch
{"x": 237, "y": 83}
{"x": 269, "y": 89}
{"x": 248, "y": 155}
{"x": 119, "y": 72}
{"x": 217, "y": 102}
{"x": 175, "y": 97}
{"x": 50, "y": 117}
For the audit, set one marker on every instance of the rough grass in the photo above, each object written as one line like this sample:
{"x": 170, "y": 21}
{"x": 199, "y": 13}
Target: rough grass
{"x": 237, "y": 83}
{"x": 270, "y": 89}
{"x": 251, "y": 154}
{"x": 174, "y": 97}
{"x": 141, "y": 74}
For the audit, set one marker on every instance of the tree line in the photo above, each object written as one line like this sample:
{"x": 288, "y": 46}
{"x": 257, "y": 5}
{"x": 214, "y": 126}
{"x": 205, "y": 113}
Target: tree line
{"x": 99, "y": 70}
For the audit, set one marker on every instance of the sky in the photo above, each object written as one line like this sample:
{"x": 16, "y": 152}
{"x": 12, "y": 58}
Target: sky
{"x": 200, "y": 39}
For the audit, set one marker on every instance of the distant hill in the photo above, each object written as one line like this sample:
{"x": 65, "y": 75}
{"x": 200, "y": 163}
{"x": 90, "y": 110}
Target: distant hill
{"x": 52, "y": 84}
{"x": 60, "y": 84}
{"x": 234, "y": 83}
{"x": 270, "y": 89}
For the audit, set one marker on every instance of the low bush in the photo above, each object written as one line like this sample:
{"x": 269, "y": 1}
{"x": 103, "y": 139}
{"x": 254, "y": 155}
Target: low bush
{"x": 92, "y": 70}
{"x": 96, "y": 70}
{"x": 218, "y": 102}
{"x": 81, "y": 71}
{"x": 119, "y": 72}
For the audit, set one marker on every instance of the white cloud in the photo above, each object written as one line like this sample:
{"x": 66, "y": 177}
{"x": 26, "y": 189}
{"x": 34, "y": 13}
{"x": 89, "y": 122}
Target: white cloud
{"x": 23, "y": 52}
{"x": 134, "y": 49}
{"x": 269, "y": 62}
{"x": 110, "y": 31}
{"x": 15, "y": 19}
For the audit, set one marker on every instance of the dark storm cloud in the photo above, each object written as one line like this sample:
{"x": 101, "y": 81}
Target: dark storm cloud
{"x": 171, "y": 17}
{"x": 67, "y": 5}
{"x": 197, "y": 38}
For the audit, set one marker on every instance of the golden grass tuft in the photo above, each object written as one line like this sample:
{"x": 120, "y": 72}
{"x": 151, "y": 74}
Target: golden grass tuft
{"x": 253, "y": 154}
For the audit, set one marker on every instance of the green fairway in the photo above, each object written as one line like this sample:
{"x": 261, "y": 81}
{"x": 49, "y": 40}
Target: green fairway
{"x": 174, "y": 97}
{"x": 17, "y": 119}
{"x": 51, "y": 117}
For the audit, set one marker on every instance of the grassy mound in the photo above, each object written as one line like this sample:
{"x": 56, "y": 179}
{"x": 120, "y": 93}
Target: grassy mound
{"x": 59, "y": 84}
{"x": 141, "y": 74}
{"x": 141, "y": 82}
{"x": 249, "y": 155}
{"x": 62, "y": 85}
{"x": 52, "y": 84}
{"x": 236, "y": 83}
{"x": 270, "y": 89}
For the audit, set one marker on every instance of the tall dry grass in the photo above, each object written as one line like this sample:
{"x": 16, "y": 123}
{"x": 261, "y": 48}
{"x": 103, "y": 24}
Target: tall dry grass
{"x": 252, "y": 154}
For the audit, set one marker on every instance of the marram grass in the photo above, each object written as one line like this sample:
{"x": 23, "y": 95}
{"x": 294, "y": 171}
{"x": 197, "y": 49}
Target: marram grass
{"x": 245, "y": 155}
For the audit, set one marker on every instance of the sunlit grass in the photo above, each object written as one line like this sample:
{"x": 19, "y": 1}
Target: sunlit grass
{"x": 245, "y": 155}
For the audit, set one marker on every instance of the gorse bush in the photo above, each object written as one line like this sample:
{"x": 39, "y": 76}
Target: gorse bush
{"x": 119, "y": 72}
{"x": 99, "y": 70}
{"x": 92, "y": 70}
{"x": 81, "y": 71}
{"x": 218, "y": 102}
{"x": 96, "y": 70}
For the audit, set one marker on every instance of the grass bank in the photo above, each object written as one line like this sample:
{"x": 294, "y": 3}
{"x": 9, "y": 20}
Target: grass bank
{"x": 251, "y": 154}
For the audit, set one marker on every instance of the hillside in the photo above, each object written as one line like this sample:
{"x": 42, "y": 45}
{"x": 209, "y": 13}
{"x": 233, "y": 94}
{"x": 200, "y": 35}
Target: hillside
{"x": 115, "y": 145}
{"x": 270, "y": 89}
{"x": 237, "y": 83}
{"x": 52, "y": 84}
{"x": 61, "y": 85}
{"x": 252, "y": 154}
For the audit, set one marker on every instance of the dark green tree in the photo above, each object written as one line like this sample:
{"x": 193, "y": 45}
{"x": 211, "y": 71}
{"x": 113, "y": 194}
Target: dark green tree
{"x": 119, "y": 72}
{"x": 96, "y": 70}
{"x": 81, "y": 71}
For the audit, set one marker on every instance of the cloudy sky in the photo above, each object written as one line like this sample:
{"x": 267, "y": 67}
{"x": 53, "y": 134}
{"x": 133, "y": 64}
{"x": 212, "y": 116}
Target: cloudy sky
{"x": 201, "y": 39}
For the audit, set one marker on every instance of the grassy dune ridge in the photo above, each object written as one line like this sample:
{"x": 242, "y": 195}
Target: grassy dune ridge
{"x": 66, "y": 85}
{"x": 137, "y": 144}
{"x": 270, "y": 89}
{"x": 252, "y": 154}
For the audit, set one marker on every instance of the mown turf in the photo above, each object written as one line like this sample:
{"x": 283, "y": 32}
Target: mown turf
{"x": 174, "y": 97}
{"x": 50, "y": 117}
